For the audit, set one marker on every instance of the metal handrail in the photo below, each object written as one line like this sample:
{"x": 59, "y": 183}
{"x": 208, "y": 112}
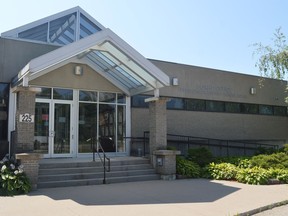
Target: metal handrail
{"x": 103, "y": 160}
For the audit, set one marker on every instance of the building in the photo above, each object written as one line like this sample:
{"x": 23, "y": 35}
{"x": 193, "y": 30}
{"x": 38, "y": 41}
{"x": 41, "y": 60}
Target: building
{"x": 66, "y": 81}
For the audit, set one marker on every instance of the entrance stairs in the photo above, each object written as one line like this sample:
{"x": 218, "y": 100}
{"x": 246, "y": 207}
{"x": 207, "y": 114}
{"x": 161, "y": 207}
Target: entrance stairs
{"x": 76, "y": 172}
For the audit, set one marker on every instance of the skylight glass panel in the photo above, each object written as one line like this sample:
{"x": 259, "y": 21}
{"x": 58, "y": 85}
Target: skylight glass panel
{"x": 38, "y": 33}
{"x": 62, "y": 30}
{"x": 87, "y": 27}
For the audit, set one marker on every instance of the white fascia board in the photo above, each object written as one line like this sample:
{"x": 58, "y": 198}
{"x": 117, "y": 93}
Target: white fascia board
{"x": 139, "y": 59}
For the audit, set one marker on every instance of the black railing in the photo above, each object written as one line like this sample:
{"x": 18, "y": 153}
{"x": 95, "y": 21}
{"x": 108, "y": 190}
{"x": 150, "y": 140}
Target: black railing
{"x": 218, "y": 147}
{"x": 103, "y": 158}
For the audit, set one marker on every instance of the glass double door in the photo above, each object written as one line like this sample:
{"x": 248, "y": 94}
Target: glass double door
{"x": 54, "y": 136}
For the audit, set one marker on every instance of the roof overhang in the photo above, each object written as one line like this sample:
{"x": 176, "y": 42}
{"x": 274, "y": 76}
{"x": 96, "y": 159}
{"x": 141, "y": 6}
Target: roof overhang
{"x": 108, "y": 55}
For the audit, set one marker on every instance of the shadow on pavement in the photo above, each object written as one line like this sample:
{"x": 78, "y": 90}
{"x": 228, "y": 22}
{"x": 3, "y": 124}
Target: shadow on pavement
{"x": 149, "y": 192}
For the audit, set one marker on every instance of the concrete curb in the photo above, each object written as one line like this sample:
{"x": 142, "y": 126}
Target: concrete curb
{"x": 264, "y": 208}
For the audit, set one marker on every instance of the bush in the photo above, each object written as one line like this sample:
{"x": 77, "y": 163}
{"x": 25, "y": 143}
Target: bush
{"x": 242, "y": 162}
{"x": 255, "y": 176}
{"x": 13, "y": 180}
{"x": 187, "y": 168}
{"x": 202, "y": 156}
{"x": 279, "y": 174}
{"x": 277, "y": 160}
{"x": 222, "y": 171}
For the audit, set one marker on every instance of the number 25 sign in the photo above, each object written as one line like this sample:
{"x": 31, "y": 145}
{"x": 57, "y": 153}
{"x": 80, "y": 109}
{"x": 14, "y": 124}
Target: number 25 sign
{"x": 26, "y": 118}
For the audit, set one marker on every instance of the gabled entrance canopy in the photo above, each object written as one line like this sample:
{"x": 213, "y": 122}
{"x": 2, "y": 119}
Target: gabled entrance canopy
{"x": 108, "y": 55}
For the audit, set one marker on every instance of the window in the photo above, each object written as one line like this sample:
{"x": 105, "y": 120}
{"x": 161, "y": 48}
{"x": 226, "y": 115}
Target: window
{"x": 280, "y": 111}
{"x": 232, "y": 107}
{"x": 215, "y": 106}
{"x": 45, "y": 93}
{"x": 195, "y": 105}
{"x": 88, "y": 96}
{"x": 107, "y": 97}
{"x": 266, "y": 109}
{"x": 249, "y": 108}
{"x": 63, "y": 94}
{"x": 175, "y": 103}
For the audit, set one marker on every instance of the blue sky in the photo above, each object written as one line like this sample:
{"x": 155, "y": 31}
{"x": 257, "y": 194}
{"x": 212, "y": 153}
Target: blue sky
{"x": 209, "y": 33}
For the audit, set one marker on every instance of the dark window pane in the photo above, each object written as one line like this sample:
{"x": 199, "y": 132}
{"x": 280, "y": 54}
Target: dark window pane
{"x": 139, "y": 101}
{"x": 38, "y": 33}
{"x": 107, "y": 97}
{"x": 266, "y": 109}
{"x": 280, "y": 111}
{"x": 195, "y": 105}
{"x": 44, "y": 93}
{"x": 249, "y": 108}
{"x": 214, "y": 106}
{"x": 121, "y": 98}
{"x": 232, "y": 107}
{"x": 63, "y": 94}
{"x": 175, "y": 103}
{"x": 88, "y": 96}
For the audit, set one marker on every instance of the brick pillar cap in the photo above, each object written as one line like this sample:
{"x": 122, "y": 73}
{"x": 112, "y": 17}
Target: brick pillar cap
{"x": 35, "y": 156}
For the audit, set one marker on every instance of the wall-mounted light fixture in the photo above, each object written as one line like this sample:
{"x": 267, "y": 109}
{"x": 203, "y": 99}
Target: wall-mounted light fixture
{"x": 78, "y": 70}
{"x": 174, "y": 81}
{"x": 253, "y": 91}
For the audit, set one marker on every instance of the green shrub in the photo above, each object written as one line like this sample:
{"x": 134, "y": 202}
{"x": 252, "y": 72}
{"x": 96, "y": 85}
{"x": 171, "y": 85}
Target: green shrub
{"x": 254, "y": 175}
{"x": 222, "y": 171}
{"x": 187, "y": 168}
{"x": 277, "y": 160}
{"x": 284, "y": 149}
{"x": 242, "y": 162}
{"x": 13, "y": 180}
{"x": 279, "y": 174}
{"x": 202, "y": 156}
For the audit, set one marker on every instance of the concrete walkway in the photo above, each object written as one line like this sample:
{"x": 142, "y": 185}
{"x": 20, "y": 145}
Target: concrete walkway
{"x": 199, "y": 197}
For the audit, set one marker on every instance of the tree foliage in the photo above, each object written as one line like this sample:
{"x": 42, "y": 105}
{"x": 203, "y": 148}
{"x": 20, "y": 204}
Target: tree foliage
{"x": 273, "y": 60}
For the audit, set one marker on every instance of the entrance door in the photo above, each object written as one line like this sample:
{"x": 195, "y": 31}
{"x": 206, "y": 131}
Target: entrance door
{"x": 54, "y": 129}
{"x": 62, "y": 130}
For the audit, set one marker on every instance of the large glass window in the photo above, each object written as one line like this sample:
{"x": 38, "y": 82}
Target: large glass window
{"x": 4, "y": 102}
{"x": 107, "y": 120}
{"x": 41, "y": 132}
{"x": 249, "y": 108}
{"x": 87, "y": 127}
{"x": 121, "y": 128}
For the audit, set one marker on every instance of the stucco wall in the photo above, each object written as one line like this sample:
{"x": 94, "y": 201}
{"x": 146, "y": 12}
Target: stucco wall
{"x": 64, "y": 77}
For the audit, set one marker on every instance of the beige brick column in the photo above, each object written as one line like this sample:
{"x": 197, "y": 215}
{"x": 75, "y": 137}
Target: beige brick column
{"x": 157, "y": 124}
{"x": 25, "y": 124}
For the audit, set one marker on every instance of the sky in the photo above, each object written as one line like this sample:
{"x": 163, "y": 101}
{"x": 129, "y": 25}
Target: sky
{"x": 215, "y": 34}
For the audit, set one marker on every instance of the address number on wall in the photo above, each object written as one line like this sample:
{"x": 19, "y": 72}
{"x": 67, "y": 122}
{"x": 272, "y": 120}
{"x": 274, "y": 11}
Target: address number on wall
{"x": 26, "y": 118}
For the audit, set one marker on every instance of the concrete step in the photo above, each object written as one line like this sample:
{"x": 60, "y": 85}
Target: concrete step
{"x": 62, "y": 174}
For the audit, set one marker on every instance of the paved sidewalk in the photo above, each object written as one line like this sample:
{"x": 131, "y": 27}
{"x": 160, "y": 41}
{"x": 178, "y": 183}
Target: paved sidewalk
{"x": 199, "y": 197}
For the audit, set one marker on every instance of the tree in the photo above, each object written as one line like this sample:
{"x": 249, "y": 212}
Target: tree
{"x": 273, "y": 60}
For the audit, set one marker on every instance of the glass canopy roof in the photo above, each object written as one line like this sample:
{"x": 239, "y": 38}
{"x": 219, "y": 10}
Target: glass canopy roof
{"x": 62, "y": 28}
{"x": 108, "y": 55}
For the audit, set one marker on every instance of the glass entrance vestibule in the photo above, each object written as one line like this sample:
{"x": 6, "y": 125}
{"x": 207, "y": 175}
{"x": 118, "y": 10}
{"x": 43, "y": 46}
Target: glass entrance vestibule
{"x": 69, "y": 122}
